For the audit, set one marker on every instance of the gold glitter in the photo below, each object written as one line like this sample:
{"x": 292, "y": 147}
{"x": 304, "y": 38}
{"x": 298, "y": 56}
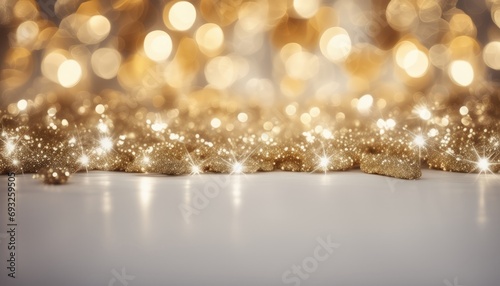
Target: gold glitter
{"x": 247, "y": 86}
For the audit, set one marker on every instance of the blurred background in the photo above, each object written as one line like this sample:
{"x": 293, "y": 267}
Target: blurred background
{"x": 259, "y": 52}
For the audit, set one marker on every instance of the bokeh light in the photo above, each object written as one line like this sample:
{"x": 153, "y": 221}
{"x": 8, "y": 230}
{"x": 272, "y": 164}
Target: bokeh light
{"x": 158, "y": 45}
{"x": 491, "y": 55}
{"x": 210, "y": 38}
{"x": 95, "y": 30}
{"x": 182, "y": 15}
{"x": 461, "y": 72}
{"x": 306, "y": 8}
{"x": 106, "y": 62}
{"x": 335, "y": 44}
{"x": 69, "y": 73}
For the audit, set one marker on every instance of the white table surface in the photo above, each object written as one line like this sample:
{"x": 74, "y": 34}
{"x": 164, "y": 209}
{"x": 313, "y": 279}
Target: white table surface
{"x": 443, "y": 229}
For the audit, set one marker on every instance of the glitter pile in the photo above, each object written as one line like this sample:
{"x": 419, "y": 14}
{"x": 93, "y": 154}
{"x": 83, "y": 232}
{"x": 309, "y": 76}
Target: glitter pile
{"x": 233, "y": 86}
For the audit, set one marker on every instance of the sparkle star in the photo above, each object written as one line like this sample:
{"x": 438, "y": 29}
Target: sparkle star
{"x": 484, "y": 165}
{"x": 419, "y": 141}
{"x": 323, "y": 163}
{"x": 195, "y": 170}
{"x": 237, "y": 168}
{"x": 106, "y": 144}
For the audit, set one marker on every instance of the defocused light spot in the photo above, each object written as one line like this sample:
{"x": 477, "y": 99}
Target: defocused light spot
{"x": 491, "y": 55}
{"x": 261, "y": 89}
{"x": 403, "y": 49}
{"x": 106, "y": 62}
{"x": 305, "y": 118}
{"x": 306, "y": 8}
{"x": 495, "y": 15}
{"x": 69, "y": 73}
{"x": 210, "y": 38}
{"x": 27, "y": 32}
{"x": 22, "y": 104}
{"x": 302, "y": 65}
{"x": 424, "y": 113}
{"x": 102, "y": 127}
{"x": 158, "y": 45}
{"x": 252, "y": 16}
{"x": 182, "y": 15}
{"x": 429, "y": 11}
{"x": 464, "y": 110}
{"x": 95, "y": 29}
{"x": 439, "y": 55}
{"x": 51, "y": 64}
{"x": 52, "y": 111}
{"x": 327, "y": 134}
{"x": 365, "y": 103}
{"x": 100, "y": 109}
{"x": 416, "y": 63}
{"x": 411, "y": 59}
{"x": 461, "y": 24}
{"x": 461, "y": 72}
{"x": 242, "y": 117}
{"x": 314, "y": 111}
{"x": 335, "y": 44}
{"x": 401, "y": 14}
{"x": 216, "y": 123}
{"x": 290, "y": 109}
{"x": 268, "y": 125}
{"x": 221, "y": 72}
{"x": 390, "y": 123}
{"x": 288, "y": 50}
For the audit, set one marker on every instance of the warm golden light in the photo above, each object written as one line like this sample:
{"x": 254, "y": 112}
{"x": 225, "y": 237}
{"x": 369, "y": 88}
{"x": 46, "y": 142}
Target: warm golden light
{"x": 84, "y": 160}
{"x": 491, "y": 55}
{"x": 51, "y": 64}
{"x": 106, "y": 144}
{"x": 424, "y": 113}
{"x": 416, "y": 63}
{"x": 495, "y": 15}
{"x": 95, "y": 30}
{"x": 106, "y": 62}
{"x": 210, "y": 38}
{"x": 242, "y": 117}
{"x": 464, "y": 110}
{"x": 158, "y": 45}
{"x": 69, "y": 73}
{"x": 221, "y": 72}
{"x": 335, "y": 44}
{"x": 302, "y": 65}
{"x": 419, "y": 141}
{"x": 27, "y": 33}
{"x": 411, "y": 59}
{"x": 182, "y": 15}
{"x": 252, "y": 16}
{"x": 179, "y": 86}
{"x": 237, "y": 168}
{"x": 216, "y": 123}
{"x": 461, "y": 72}
{"x": 365, "y": 103}
{"x": 22, "y": 104}
{"x": 401, "y": 14}
{"x": 483, "y": 164}
{"x": 306, "y": 8}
